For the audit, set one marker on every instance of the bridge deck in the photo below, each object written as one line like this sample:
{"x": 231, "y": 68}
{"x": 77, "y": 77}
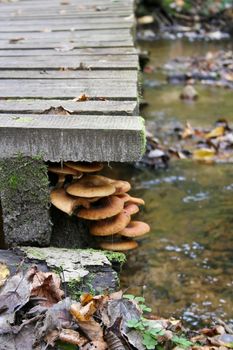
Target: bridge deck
{"x": 68, "y": 80}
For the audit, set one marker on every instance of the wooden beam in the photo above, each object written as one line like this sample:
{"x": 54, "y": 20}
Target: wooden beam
{"x": 72, "y": 137}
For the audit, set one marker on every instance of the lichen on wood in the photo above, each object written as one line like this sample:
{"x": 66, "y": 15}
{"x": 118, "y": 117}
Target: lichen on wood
{"x": 82, "y": 270}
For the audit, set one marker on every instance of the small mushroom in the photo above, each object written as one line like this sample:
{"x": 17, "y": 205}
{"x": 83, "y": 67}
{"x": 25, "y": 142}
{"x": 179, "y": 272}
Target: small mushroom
{"x": 104, "y": 208}
{"x": 85, "y": 167}
{"x": 120, "y": 185}
{"x": 135, "y": 229}
{"x": 91, "y": 186}
{"x": 61, "y": 200}
{"x": 129, "y": 199}
{"x": 110, "y": 226}
{"x": 131, "y": 208}
{"x": 119, "y": 246}
{"x": 62, "y": 172}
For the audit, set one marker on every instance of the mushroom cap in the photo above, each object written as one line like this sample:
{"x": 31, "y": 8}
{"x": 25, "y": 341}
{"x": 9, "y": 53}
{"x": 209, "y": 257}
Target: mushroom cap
{"x": 90, "y": 186}
{"x": 85, "y": 166}
{"x": 135, "y": 229}
{"x": 104, "y": 208}
{"x": 64, "y": 170}
{"x": 131, "y": 208}
{"x": 61, "y": 200}
{"x": 111, "y": 225}
{"x": 129, "y": 199}
{"x": 119, "y": 246}
{"x": 120, "y": 185}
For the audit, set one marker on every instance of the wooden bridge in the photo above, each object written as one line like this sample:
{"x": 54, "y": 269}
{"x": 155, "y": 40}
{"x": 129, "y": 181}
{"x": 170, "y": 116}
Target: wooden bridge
{"x": 68, "y": 80}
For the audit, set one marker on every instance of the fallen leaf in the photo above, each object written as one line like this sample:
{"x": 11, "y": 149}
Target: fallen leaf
{"x": 15, "y": 293}
{"x": 203, "y": 154}
{"x": 86, "y": 298}
{"x": 4, "y": 274}
{"x": 57, "y": 110}
{"x": 95, "y": 345}
{"x": 188, "y": 131}
{"x": 83, "y": 313}
{"x": 47, "y": 285}
{"x": 217, "y": 132}
{"x": 92, "y": 330}
{"x": 81, "y": 98}
{"x": 72, "y": 337}
{"x": 15, "y": 40}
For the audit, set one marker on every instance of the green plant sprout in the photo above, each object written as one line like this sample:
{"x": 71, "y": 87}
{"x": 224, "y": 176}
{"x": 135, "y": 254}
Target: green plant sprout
{"x": 151, "y": 333}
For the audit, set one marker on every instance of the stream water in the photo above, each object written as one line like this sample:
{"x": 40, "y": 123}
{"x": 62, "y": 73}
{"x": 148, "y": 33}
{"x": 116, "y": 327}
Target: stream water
{"x": 184, "y": 267}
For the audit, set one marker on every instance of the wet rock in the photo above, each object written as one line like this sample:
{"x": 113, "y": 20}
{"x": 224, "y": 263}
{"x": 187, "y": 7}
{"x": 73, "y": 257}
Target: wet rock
{"x": 189, "y": 93}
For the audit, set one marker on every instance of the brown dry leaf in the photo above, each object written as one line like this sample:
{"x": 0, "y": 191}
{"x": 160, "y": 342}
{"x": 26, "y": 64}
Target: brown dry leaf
{"x": 15, "y": 40}
{"x": 86, "y": 298}
{"x": 57, "y": 110}
{"x": 81, "y": 98}
{"x": 72, "y": 337}
{"x": 205, "y": 154}
{"x": 51, "y": 337}
{"x": 83, "y": 313}
{"x": 217, "y": 132}
{"x": 4, "y": 274}
{"x": 100, "y": 345}
{"x": 116, "y": 295}
{"x": 188, "y": 131}
{"x": 16, "y": 292}
{"x": 47, "y": 285}
{"x": 92, "y": 330}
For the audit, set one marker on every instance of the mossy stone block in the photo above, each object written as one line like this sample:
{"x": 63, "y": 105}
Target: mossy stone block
{"x": 24, "y": 197}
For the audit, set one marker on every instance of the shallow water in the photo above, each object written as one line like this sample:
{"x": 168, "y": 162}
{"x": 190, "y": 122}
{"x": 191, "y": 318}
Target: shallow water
{"x": 184, "y": 267}
{"x": 164, "y": 103}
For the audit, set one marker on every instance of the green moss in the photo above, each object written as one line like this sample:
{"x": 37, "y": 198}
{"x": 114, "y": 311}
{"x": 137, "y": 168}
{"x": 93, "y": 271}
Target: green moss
{"x": 25, "y": 176}
{"x": 73, "y": 289}
{"x": 115, "y": 257}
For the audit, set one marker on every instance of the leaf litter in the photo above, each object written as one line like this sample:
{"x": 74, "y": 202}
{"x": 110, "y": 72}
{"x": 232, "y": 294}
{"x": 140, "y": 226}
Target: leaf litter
{"x": 35, "y": 314}
{"x": 206, "y": 145}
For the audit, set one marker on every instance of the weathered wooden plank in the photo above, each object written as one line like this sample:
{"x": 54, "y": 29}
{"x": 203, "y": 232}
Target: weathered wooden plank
{"x": 129, "y": 75}
{"x": 71, "y": 35}
{"x": 70, "y": 62}
{"x": 72, "y": 137}
{"x": 22, "y": 10}
{"x": 81, "y": 6}
{"x": 68, "y": 51}
{"x": 90, "y": 107}
{"x": 65, "y": 89}
{"x": 24, "y": 45}
{"x": 67, "y": 22}
{"x": 64, "y": 27}
{"x": 63, "y": 14}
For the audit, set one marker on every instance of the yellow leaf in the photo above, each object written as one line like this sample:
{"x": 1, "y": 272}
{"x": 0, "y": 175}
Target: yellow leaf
{"x": 188, "y": 131}
{"x": 83, "y": 313}
{"x": 4, "y": 274}
{"x": 219, "y": 131}
{"x": 205, "y": 154}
